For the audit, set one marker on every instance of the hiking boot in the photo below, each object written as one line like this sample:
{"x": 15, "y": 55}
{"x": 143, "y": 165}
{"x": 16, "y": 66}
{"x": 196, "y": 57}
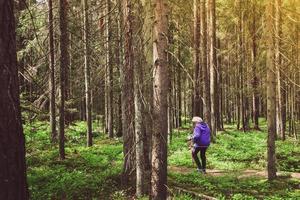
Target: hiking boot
{"x": 199, "y": 170}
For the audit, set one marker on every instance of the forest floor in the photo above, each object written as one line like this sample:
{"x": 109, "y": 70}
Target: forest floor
{"x": 236, "y": 166}
{"x": 241, "y": 173}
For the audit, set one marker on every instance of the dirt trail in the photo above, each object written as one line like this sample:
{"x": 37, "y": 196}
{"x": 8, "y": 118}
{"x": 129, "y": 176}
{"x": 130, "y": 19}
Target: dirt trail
{"x": 239, "y": 173}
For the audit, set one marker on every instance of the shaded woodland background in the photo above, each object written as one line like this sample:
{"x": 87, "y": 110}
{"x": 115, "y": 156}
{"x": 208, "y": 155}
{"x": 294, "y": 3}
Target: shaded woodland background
{"x": 240, "y": 72}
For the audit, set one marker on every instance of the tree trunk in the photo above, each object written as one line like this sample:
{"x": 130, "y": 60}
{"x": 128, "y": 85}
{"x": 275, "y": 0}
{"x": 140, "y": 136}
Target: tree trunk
{"x": 241, "y": 61}
{"x": 139, "y": 129}
{"x": 228, "y": 103}
{"x": 67, "y": 114}
{"x": 149, "y": 123}
{"x": 20, "y": 44}
{"x": 13, "y": 182}
{"x": 160, "y": 110}
{"x": 20, "y": 6}
{"x": 279, "y": 126}
{"x": 220, "y": 98}
{"x": 128, "y": 94}
{"x": 284, "y": 107}
{"x": 196, "y": 56}
{"x": 87, "y": 74}
{"x": 237, "y": 104}
{"x": 203, "y": 42}
{"x": 52, "y": 87}
{"x": 213, "y": 63}
{"x": 296, "y": 77}
{"x": 139, "y": 61}
{"x": 254, "y": 72}
{"x": 109, "y": 72}
{"x": 170, "y": 114}
{"x": 179, "y": 95}
{"x": 271, "y": 89}
{"x": 119, "y": 63}
{"x": 63, "y": 65}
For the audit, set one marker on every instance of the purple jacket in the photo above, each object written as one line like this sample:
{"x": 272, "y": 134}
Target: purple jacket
{"x": 201, "y": 136}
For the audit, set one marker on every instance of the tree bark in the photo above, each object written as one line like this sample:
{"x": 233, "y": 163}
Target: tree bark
{"x": 219, "y": 88}
{"x": 62, "y": 81}
{"x": 160, "y": 110}
{"x": 179, "y": 110}
{"x": 52, "y": 87}
{"x": 255, "y": 102}
{"x": 196, "y": 57}
{"x": 87, "y": 75}
{"x": 119, "y": 63}
{"x": 20, "y": 6}
{"x": 213, "y": 63}
{"x": 128, "y": 94}
{"x": 13, "y": 182}
{"x": 109, "y": 71}
{"x": 203, "y": 42}
{"x": 139, "y": 61}
{"x": 271, "y": 89}
{"x": 278, "y": 34}
{"x": 149, "y": 123}
{"x": 139, "y": 134}
{"x": 139, "y": 129}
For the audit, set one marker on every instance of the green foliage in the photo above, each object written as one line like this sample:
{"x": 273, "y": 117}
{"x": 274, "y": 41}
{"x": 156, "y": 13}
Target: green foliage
{"x": 242, "y": 197}
{"x": 93, "y": 173}
{"x": 183, "y": 197}
{"x": 86, "y": 173}
{"x": 288, "y": 153}
{"x": 235, "y": 187}
{"x": 235, "y": 150}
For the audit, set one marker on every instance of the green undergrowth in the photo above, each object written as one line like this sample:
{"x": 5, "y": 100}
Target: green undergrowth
{"x": 236, "y": 150}
{"x": 94, "y": 172}
{"x": 230, "y": 186}
{"x": 86, "y": 173}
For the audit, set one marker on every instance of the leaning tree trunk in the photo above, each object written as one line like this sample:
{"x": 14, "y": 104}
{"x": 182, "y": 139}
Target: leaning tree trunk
{"x": 87, "y": 75}
{"x": 51, "y": 74}
{"x": 12, "y": 144}
{"x": 271, "y": 89}
{"x": 128, "y": 94}
{"x": 160, "y": 98}
{"x": 63, "y": 65}
{"x": 213, "y": 63}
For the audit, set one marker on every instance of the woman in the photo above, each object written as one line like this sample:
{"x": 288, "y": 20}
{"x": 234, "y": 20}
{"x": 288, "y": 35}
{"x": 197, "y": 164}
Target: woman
{"x": 201, "y": 140}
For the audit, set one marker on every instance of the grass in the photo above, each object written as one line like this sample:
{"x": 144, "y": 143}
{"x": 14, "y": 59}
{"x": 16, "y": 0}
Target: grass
{"x": 94, "y": 172}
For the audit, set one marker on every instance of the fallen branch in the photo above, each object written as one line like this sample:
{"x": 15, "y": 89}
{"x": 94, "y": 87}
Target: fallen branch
{"x": 201, "y": 196}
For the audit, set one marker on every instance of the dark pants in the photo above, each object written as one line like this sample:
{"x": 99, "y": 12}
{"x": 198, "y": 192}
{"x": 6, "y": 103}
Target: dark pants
{"x": 202, "y": 156}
